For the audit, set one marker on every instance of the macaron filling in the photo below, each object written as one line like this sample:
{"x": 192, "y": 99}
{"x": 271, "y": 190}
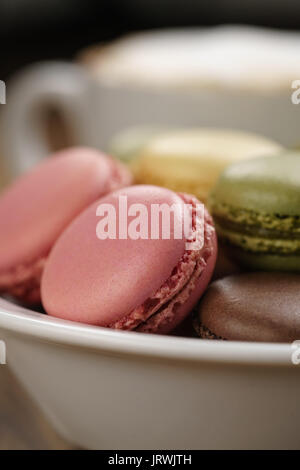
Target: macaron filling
{"x": 258, "y": 232}
{"x": 204, "y": 332}
{"x": 162, "y": 306}
{"x": 243, "y": 218}
{"x": 166, "y": 313}
{"x": 258, "y": 244}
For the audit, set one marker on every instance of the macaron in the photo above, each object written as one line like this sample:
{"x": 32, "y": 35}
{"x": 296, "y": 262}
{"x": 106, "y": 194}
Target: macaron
{"x": 191, "y": 160}
{"x": 256, "y": 208}
{"x": 139, "y": 283}
{"x": 37, "y": 208}
{"x": 127, "y": 144}
{"x": 260, "y": 306}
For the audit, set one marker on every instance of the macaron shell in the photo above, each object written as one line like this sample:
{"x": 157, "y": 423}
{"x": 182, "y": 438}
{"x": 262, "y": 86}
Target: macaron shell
{"x": 191, "y": 160}
{"x": 129, "y": 143}
{"x": 267, "y": 185}
{"x": 185, "y": 301}
{"x": 36, "y": 209}
{"x": 253, "y": 307}
{"x": 99, "y": 281}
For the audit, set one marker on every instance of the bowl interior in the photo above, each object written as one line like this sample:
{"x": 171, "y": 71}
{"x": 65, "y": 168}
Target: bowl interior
{"x": 22, "y": 321}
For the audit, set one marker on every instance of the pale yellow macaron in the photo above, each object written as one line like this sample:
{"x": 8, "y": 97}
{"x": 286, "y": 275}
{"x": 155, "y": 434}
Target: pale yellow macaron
{"x": 128, "y": 143}
{"x": 191, "y": 160}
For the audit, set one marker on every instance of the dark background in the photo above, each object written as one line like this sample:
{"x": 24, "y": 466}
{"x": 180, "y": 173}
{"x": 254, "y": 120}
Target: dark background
{"x": 32, "y": 30}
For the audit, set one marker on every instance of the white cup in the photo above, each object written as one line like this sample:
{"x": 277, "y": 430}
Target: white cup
{"x": 96, "y": 108}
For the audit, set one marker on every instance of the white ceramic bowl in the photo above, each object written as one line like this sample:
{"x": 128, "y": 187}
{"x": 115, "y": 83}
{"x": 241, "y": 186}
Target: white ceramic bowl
{"x": 120, "y": 390}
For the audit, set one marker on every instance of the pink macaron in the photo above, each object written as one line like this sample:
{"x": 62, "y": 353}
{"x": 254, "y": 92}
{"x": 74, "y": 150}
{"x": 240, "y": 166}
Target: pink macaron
{"x": 36, "y": 209}
{"x": 130, "y": 283}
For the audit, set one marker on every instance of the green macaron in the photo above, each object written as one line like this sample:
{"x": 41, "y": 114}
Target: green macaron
{"x": 256, "y": 208}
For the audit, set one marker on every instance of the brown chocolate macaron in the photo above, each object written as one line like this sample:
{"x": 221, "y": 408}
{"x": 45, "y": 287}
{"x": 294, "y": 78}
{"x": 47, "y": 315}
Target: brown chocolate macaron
{"x": 251, "y": 307}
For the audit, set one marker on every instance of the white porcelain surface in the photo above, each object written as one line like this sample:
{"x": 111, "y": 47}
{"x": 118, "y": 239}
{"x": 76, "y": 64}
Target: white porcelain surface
{"x": 120, "y": 390}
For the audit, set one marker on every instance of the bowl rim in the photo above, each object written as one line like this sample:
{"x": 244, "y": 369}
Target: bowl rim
{"x": 25, "y": 322}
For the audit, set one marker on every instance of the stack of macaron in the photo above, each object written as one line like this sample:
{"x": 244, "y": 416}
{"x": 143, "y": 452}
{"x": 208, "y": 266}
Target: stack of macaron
{"x": 252, "y": 188}
{"x": 53, "y": 252}
{"x": 256, "y": 208}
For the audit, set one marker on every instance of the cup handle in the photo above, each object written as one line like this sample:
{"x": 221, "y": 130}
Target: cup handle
{"x": 60, "y": 84}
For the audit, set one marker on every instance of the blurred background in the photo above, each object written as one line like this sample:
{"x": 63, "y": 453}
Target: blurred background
{"x": 35, "y": 30}
{"x": 32, "y": 30}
